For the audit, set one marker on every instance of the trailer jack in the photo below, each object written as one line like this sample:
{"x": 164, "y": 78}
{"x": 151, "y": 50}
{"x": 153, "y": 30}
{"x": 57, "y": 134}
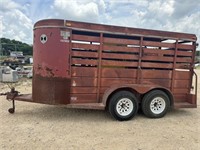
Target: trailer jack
{"x": 11, "y": 96}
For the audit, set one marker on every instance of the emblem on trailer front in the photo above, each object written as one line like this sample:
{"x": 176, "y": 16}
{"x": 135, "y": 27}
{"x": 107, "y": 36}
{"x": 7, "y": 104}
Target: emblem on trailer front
{"x": 43, "y": 38}
{"x": 65, "y": 36}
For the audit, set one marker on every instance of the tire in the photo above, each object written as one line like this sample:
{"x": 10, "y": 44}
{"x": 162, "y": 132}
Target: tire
{"x": 155, "y": 104}
{"x": 123, "y": 105}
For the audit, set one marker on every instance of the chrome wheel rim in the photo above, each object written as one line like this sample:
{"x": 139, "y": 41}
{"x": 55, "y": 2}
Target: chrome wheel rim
{"x": 157, "y": 105}
{"x": 124, "y": 107}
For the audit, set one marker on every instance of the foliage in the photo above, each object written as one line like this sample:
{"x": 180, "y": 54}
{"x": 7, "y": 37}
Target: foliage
{"x": 13, "y": 45}
{"x": 197, "y": 58}
{"x": 198, "y": 53}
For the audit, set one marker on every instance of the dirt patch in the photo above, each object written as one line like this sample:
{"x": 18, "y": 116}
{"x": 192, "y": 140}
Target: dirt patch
{"x": 36, "y": 126}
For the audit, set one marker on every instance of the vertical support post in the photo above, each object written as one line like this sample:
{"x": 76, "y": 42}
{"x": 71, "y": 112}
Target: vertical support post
{"x": 139, "y": 73}
{"x": 99, "y": 68}
{"x": 174, "y": 66}
{"x": 192, "y": 65}
{"x": 70, "y": 54}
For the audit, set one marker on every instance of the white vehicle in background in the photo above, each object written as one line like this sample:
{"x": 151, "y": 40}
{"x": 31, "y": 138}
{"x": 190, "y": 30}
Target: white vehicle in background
{"x": 25, "y": 71}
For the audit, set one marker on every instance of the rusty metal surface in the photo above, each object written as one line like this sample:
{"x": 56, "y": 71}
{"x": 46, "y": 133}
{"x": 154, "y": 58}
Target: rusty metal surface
{"x": 51, "y": 57}
{"x": 185, "y": 105}
{"x": 51, "y": 90}
{"x": 112, "y": 29}
{"x": 22, "y": 97}
{"x": 47, "y": 22}
{"x": 98, "y": 106}
{"x": 126, "y": 30}
{"x": 12, "y": 94}
{"x": 51, "y": 74}
{"x": 81, "y": 62}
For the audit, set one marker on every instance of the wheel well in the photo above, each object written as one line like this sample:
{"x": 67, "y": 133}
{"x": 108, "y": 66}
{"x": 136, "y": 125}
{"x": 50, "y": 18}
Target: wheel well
{"x": 169, "y": 94}
{"x": 139, "y": 96}
{"x": 122, "y": 89}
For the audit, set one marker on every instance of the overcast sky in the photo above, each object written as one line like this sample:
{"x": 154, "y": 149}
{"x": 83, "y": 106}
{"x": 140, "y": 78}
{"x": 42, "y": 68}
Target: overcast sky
{"x": 17, "y": 17}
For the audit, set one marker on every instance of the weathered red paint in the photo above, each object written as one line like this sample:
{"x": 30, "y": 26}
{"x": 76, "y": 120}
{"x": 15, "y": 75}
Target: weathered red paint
{"x": 51, "y": 58}
{"x": 51, "y": 79}
{"x": 83, "y": 64}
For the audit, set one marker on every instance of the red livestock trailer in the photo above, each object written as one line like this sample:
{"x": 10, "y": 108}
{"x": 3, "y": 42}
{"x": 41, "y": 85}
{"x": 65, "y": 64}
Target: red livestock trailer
{"x": 94, "y": 66}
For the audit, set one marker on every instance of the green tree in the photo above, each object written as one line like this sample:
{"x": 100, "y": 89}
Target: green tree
{"x": 8, "y": 45}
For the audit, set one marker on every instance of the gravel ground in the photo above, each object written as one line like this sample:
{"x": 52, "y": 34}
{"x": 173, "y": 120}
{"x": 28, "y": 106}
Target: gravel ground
{"x": 36, "y": 126}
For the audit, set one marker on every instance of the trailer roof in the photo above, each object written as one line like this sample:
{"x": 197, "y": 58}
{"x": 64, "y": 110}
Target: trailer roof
{"x": 93, "y": 27}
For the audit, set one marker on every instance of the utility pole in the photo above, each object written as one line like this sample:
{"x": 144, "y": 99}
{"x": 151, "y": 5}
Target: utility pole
{"x": 1, "y": 50}
{"x": 1, "y": 26}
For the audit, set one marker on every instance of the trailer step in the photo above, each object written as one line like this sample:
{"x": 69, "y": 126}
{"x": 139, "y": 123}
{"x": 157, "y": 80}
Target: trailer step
{"x": 184, "y": 105}
{"x": 99, "y": 106}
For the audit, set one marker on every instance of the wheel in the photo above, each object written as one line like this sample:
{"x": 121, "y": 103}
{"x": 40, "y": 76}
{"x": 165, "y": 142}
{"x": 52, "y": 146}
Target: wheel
{"x": 155, "y": 104}
{"x": 11, "y": 110}
{"x": 123, "y": 105}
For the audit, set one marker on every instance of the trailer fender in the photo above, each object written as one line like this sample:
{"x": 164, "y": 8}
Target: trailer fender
{"x": 138, "y": 88}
